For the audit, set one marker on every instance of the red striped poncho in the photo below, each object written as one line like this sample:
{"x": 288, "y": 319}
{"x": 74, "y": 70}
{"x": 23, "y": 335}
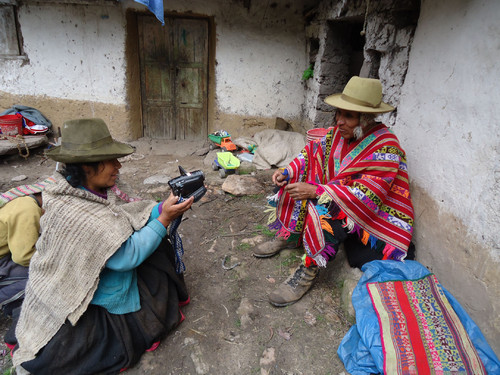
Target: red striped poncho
{"x": 368, "y": 181}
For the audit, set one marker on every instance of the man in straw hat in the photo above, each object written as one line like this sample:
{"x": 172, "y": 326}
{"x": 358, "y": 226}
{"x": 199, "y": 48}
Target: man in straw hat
{"x": 349, "y": 187}
{"x": 105, "y": 283}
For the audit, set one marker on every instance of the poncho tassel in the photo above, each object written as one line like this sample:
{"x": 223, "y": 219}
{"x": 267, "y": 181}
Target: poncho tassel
{"x": 272, "y": 200}
{"x": 308, "y": 261}
{"x": 272, "y": 215}
{"x": 320, "y": 260}
{"x": 388, "y": 250}
{"x": 365, "y": 237}
{"x": 329, "y": 252}
{"x": 283, "y": 233}
{"x": 275, "y": 225}
{"x": 396, "y": 254}
{"x": 349, "y": 225}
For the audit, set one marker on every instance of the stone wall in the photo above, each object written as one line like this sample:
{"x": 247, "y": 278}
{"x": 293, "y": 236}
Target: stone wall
{"x": 386, "y": 30}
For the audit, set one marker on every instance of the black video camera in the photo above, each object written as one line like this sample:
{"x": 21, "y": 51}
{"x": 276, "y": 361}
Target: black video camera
{"x": 188, "y": 184}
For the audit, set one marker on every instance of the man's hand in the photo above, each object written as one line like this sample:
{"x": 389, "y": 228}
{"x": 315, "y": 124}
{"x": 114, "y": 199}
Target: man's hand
{"x": 279, "y": 179}
{"x": 301, "y": 190}
{"x": 171, "y": 209}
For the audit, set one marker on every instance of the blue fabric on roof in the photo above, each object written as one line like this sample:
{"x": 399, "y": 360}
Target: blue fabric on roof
{"x": 156, "y": 7}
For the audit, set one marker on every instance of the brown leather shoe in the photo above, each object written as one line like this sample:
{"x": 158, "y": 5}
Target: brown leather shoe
{"x": 270, "y": 248}
{"x": 295, "y": 286}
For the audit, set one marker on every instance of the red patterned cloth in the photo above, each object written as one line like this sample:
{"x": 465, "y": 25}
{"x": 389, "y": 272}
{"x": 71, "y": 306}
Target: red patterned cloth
{"x": 366, "y": 179}
{"x": 420, "y": 331}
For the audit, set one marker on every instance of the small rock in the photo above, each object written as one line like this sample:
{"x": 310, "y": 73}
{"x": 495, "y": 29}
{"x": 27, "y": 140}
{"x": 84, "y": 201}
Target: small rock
{"x": 201, "y": 367}
{"x": 285, "y": 334}
{"x": 346, "y": 296}
{"x": 327, "y": 299}
{"x": 245, "y": 307}
{"x": 245, "y": 311}
{"x": 211, "y": 156}
{"x": 242, "y": 185}
{"x": 157, "y": 179}
{"x": 19, "y": 178}
{"x": 132, "y": 157}
{"x": 255, "y": 240}
{"x": 159, "y": 189}
{"x": 212, "y": 248}
{"x": 246, "y": 168}
{"x": 270, "y": 279}
{"x": 310, "y": 318}
{"x": 332, "y": 317}
{"x": 267, "y": 361}
{"x": 202, "y": 151}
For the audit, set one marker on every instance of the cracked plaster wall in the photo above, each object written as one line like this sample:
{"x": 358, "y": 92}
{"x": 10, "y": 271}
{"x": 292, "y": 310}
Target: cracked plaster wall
{"x": 448, "y": 125}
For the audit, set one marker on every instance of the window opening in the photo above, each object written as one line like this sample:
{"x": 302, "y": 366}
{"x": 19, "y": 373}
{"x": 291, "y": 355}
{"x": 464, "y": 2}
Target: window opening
{"x": 10, "y": 36}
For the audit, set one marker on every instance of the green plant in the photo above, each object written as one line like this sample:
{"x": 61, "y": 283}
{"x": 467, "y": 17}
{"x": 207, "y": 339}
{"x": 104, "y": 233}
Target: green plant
{"x": 289, "y": 261}
{"x": 255, "y": 370}
{"x": 308, "y": 73}
{"x": 9, "y": 371}
{"x": 237, "y": 323}
{"x": 244, "y": 246}
{"x": 264, "y": 230}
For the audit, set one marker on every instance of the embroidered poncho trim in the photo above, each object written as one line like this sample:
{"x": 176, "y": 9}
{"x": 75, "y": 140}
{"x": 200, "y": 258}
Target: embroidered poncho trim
{"x": 369, "y": 183}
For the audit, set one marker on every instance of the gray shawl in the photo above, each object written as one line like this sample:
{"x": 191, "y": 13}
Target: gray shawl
{"x": 80, "y": 231}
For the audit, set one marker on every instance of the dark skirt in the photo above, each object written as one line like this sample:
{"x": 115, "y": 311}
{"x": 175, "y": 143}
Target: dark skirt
{"x": 104, "y": 343}
{"x": 357, "y": 253}
{"x": 13, "y": 278}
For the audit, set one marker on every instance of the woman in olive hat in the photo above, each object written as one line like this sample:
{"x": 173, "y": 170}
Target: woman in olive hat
{"x": 351, "y": 186}
{"x": 105, "y": 283}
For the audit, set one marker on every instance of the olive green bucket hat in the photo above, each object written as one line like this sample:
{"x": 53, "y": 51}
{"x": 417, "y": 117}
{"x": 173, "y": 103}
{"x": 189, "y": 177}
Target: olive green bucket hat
{"x": 361, "y": 95}
{"x": 87, "y": 140}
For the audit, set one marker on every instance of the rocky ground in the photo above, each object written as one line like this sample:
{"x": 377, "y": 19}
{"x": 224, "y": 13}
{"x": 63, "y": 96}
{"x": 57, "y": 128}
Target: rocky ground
{"x": 230, "y": 327}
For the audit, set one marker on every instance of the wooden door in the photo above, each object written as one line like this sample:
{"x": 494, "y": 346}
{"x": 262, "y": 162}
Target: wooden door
{"x": 174, "y": 66}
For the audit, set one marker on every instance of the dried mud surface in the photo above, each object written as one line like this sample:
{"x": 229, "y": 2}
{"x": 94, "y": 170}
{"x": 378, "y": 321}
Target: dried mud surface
{"x": 230, "y": 328}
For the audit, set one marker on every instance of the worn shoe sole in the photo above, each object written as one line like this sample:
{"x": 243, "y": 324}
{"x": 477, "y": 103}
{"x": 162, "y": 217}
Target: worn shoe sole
{"x": 282, "y": 304}
{"x": 257, "y": 255}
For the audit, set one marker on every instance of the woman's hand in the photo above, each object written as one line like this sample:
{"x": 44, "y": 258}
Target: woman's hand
{"x": 301, "y": 190}
{"x": 279, "y": 179}
{"x": 171, "y": 209}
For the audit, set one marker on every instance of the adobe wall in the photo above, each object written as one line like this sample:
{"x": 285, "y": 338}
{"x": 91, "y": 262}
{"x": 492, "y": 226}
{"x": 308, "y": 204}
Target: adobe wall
{"x": 448, "y": 124}
{"x": 73, "y": 65}
{"x": 443, "y": 79}
{"x": 76, "y": 63}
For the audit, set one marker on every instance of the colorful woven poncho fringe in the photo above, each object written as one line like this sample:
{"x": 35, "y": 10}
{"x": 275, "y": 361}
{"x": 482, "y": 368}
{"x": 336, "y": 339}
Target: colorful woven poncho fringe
{"x": 367, "y": 181}
{"x": 23, "y": 190}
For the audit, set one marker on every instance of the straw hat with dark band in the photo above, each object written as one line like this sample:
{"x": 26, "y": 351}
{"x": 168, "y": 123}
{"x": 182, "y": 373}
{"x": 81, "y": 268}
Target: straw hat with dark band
{"x": 87, "y": 140}
{"x": 361, "y": 95}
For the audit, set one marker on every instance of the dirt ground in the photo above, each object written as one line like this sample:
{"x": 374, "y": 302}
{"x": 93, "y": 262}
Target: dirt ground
{"x": 230, "y": 327}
